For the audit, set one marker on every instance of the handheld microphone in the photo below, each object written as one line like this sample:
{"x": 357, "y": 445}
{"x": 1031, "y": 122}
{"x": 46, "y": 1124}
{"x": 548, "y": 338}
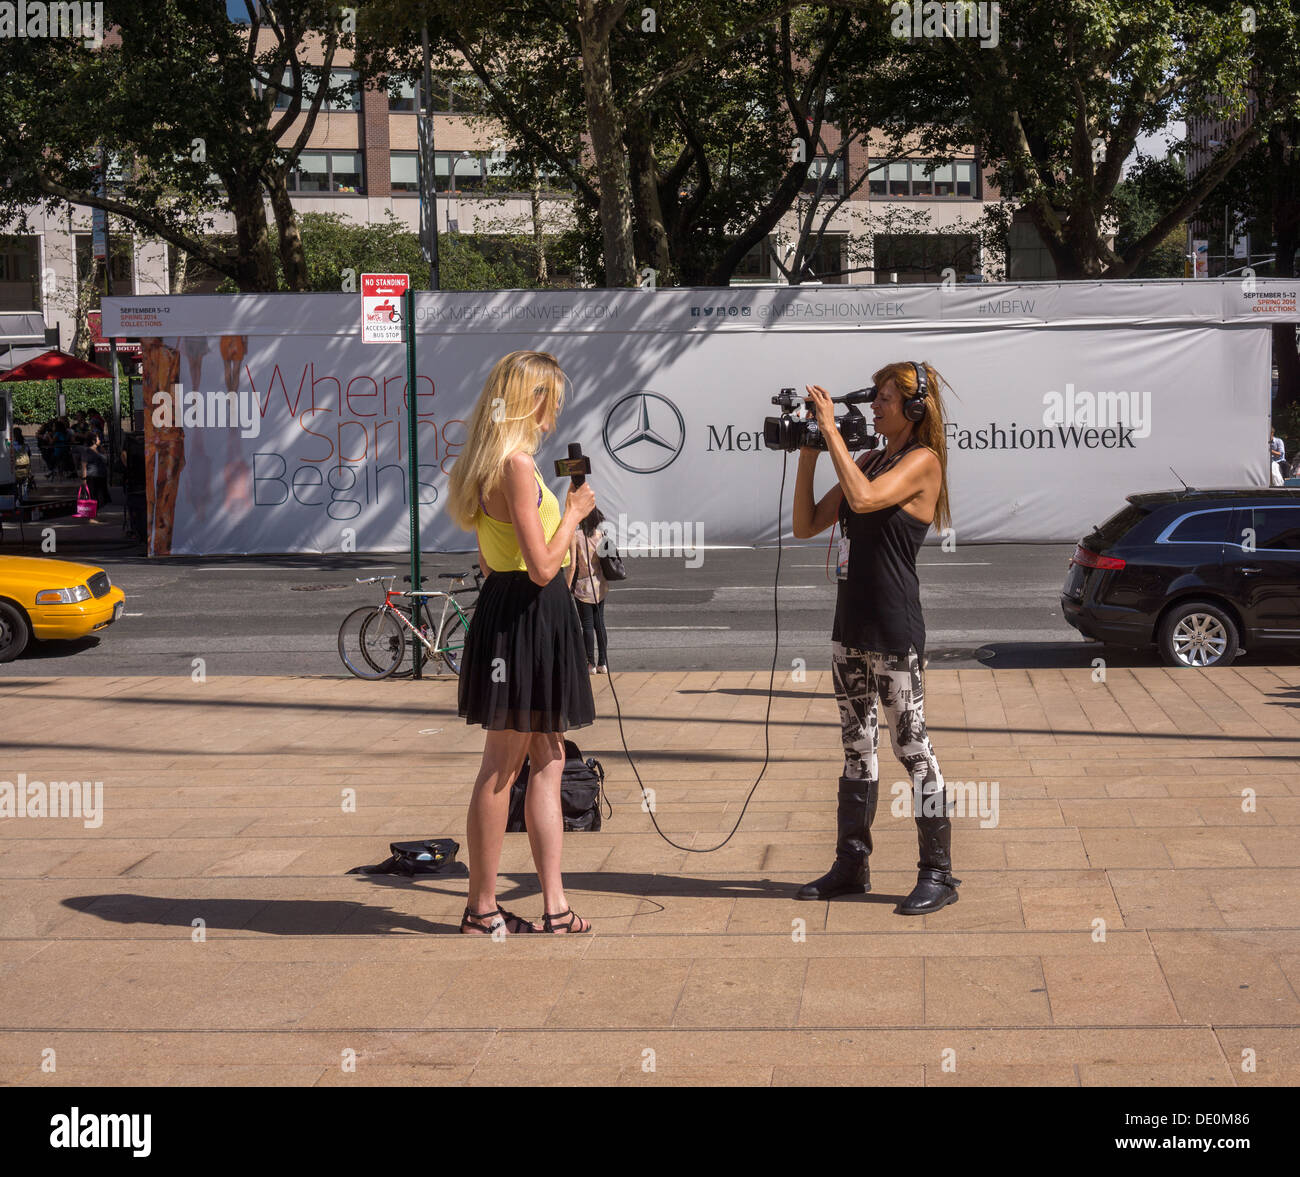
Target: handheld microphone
{"x": 575, "y": 466}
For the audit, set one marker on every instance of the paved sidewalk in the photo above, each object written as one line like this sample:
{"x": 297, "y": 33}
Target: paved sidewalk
{"x": 1132, "y": 918}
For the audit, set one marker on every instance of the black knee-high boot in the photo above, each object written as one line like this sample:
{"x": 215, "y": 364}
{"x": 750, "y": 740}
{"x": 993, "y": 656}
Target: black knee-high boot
{"x": 935, "y": 885}
{"x": 854, "y": 814}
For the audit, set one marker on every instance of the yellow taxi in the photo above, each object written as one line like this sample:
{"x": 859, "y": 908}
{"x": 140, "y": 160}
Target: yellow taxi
{"x": 47, "y": 599}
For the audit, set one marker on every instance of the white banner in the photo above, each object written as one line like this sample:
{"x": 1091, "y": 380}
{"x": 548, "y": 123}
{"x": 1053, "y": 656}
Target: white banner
{"x": 1066, "y": 398}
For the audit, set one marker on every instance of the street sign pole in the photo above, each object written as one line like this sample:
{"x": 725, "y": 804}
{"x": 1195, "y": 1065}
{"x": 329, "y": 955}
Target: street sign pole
{"x": 383, "y": 322}
{"x": 412, "y": 459}
{"x": 102, "y": 238}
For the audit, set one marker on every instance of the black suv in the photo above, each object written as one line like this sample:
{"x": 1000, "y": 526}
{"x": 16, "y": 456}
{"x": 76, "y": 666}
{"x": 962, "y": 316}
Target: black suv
{"x": 1199, "y": 573}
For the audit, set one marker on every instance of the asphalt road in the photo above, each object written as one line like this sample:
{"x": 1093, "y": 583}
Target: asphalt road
{"x": 988, "y": 605}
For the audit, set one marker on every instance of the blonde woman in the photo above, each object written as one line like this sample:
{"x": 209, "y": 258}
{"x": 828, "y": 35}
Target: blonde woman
{"x": 885, "y": 503}
{"x": 524, "y": 674}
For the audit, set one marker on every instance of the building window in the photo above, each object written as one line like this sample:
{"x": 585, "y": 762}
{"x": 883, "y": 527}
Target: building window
{"x": 924, "y": 177}
{"x": 455, "y": 94}
{"x": 19, "y": 274}
{"x": 922, "y": 257}
{"x": 833, "y": 170}
{"x": 755, "y": 266}
{"x": 349, "y": 99}
{"x": 826, "y": 260}
{"x": 350, "y": 96}
{"x": 466, "y": 169}
{"x": 327, "y": 171}
{"x": 122, "y": 253}
{"x": 404, "y": 171}
{"x": 401, "y": 96}
{"x": 466, "y": 172}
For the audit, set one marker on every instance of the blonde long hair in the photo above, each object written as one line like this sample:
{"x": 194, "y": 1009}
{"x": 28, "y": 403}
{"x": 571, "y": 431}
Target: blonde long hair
{"x": 929, "y": 430}
{"x": 503, "y": 421}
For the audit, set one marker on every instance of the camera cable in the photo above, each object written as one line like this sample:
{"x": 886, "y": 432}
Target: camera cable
{"x": 647, "y": 803}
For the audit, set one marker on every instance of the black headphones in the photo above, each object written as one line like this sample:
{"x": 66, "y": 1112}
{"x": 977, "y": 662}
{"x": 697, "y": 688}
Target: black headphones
{"x": 914, "y": 405}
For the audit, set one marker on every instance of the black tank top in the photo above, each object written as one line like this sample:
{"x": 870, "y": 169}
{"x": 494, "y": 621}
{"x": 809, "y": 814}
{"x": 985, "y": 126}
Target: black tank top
{"x": 878, "y": 605}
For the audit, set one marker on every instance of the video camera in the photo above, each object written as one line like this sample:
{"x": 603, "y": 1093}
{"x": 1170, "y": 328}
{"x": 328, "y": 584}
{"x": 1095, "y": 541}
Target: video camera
{"x": 788, "y": 432}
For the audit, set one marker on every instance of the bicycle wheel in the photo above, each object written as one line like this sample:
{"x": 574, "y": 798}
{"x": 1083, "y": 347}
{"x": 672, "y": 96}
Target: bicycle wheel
{"x": 451, "y": 641}
{"x": 403, "y": 669}
{"x": 383, "y": 643}
{"x": 351, "y": 649}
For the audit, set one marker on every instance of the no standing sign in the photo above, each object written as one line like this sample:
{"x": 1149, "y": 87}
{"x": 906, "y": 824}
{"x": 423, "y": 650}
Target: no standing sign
{"x": 381, "y": 307}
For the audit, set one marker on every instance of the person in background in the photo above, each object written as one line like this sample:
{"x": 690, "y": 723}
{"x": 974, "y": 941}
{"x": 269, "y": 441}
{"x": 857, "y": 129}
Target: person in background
{"x": 62, "y": 450}
{"x": 94, "y": 468}
{"x": 22, "y": 463}
{"x": 79, "y": 439}
{"x": 1277, "y": 455}
{"x": 45, "y": 443}
{"x": 132, "y": 459}
{"x": 590, "y": 588}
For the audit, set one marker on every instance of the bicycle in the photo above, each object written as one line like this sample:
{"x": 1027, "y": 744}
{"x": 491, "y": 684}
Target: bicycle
{"x": 373, "y": 639}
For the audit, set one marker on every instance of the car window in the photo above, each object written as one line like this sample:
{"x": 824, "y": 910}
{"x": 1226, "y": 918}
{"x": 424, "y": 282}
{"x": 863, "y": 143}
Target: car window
{"x": 1199, "y": 527}
{"x": 1276, "y": 528}
{"x": 1118, "y": 525}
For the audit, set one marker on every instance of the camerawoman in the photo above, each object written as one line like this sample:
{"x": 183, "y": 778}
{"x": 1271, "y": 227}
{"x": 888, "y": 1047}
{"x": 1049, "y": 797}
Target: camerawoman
{"x": 885, "y": 503}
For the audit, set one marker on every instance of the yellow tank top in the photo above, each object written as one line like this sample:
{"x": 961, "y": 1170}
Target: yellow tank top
{"x": 498, "y": 540}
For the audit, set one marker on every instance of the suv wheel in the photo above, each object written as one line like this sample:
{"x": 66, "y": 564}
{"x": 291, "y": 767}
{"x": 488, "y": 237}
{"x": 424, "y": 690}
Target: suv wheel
{"x": 13, "y": 632}
{"x": 1196, "y": 633}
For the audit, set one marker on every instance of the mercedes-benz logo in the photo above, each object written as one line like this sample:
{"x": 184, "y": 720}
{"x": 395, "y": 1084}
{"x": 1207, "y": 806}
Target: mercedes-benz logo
{"x": 644, "y": 432}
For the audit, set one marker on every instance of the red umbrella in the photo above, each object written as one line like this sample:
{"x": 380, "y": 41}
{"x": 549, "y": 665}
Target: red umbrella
{"x": 55, "y": 365}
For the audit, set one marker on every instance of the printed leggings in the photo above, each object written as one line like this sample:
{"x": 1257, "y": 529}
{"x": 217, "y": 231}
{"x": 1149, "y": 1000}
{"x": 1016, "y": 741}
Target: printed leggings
{"x": 861, "y": 678}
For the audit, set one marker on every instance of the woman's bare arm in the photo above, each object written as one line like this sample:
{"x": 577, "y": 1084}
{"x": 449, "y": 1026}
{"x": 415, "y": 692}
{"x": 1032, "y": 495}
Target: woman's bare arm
{"x": 914, "y": 474}
{"x": 520, "y": 487}
{"x": 810, "y": 520}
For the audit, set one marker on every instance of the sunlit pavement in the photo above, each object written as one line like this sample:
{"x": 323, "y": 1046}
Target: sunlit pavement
{"x": 1129, "y": 910}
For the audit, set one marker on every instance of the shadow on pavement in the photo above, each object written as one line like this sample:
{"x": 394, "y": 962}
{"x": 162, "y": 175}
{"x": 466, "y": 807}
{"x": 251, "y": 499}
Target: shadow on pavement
{"x": 335, "y": 917}
{"x": 58, "y": 648}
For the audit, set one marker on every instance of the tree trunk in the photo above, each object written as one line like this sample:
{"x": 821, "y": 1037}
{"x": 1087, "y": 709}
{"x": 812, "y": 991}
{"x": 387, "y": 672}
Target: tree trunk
{"x": 649, "y": 209}
{"x": 254, "y": 263}
{"x": 595, "y": 19}
{"x": 539, "y": 240}
{"x": 292, "y": 258}
{"x": 179, "y": 272}
{"x": 1286, "y": 228}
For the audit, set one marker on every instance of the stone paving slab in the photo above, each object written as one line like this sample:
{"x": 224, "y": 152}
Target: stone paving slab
{"x": 1128, "y": 913}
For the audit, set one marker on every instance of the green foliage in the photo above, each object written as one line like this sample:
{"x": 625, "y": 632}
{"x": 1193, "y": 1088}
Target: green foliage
{"x": 332, "y": 245}
{"x": 36, "y": 401}
{"x": 1059, "y": 104}
{"x": 1286, "y": 425}
{"x": 186, "y": 112}
{"x": 1141, "y": 198}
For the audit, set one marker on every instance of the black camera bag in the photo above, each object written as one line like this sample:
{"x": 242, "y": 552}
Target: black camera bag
{"x": 581, "y": 793}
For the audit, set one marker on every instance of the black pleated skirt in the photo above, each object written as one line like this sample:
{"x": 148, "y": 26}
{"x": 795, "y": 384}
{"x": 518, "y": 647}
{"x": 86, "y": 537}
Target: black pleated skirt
{"x": 524, "y": 667}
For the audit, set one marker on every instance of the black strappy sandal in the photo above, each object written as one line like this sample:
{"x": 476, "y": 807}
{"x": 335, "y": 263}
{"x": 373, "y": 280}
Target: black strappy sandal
{"x": 551, "y": 922}
{"x": 474, "y": 922}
